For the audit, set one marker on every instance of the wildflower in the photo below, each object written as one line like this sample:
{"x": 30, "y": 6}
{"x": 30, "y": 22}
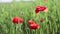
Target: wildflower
{"x": 31, "y": 22}
{"x": 46, "y": 0}
{"x": 21, "y": 20}
{"x": 46, "y": 10}
{"x": 38, "y": 26}
{"x": 40, "y": 9}
{"x": 17, "y": 20}
{"x": 34, "y": 26}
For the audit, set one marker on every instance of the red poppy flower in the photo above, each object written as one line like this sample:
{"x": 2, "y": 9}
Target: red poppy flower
{"x": 31, "y": 22}
{"x": 34, "y": 26}
{"x": 17, "y": 20}
{"x": 46, "y": 0}
{"x": 38, "y": 26}
{"x": 37, "y": 11}
{"x": 46, "y": 10}
{"x": 40, "y": 9}
{"x": 21, "y": 20}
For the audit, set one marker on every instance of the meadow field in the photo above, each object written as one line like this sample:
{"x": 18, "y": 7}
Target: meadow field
{"x": 26, "y": 10}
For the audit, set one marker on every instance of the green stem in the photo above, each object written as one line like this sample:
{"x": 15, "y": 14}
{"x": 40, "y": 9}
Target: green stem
{"x": 36, "y": 31}
{"x": 15, "y": 28}
{"x": 21, "y": 29}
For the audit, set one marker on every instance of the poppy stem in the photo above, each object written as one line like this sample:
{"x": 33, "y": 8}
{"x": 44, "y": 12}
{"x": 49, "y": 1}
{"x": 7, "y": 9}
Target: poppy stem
{"x": 20, "y": 28}
{"x": 33, "y": 31}
{"x": 15, "y": 28}
{"x": 36, "y": 31}
{"x": 29, "y": 31}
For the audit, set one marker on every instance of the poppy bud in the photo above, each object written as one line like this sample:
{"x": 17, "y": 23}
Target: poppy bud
{"x": 41, "y": 20}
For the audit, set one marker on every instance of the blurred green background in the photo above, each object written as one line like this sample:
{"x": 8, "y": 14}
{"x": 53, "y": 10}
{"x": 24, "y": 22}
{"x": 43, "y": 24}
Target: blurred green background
{"x": 51, "y": 24}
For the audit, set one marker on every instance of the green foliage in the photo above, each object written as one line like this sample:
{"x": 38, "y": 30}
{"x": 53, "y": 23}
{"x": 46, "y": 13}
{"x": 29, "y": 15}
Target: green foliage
{"x": 51, "y": 25}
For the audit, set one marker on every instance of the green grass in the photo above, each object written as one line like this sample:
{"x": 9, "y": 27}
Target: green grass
{"x": 51, "y": 24}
